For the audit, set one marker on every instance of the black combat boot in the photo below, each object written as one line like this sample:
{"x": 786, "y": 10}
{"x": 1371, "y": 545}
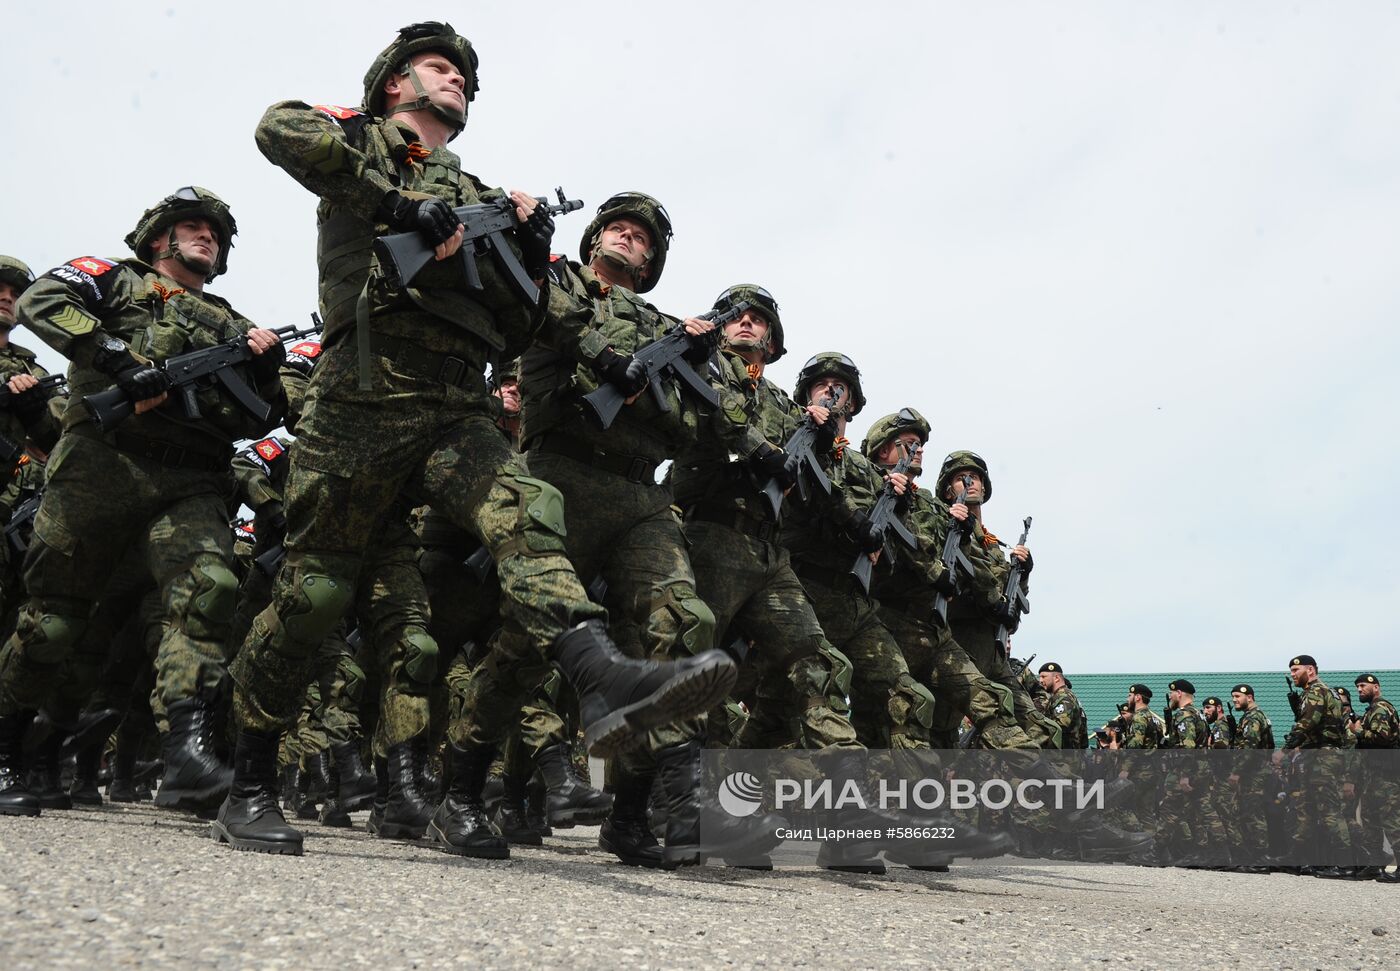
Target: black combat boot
{"x": 568, "y": 801}
{"x": 536, "y": 807}
{"x": 406, "y": 812}
{"x": 511, "y": 817}
{"x": 625, "y": 832}
{"x": 460, "y": 825}
{"x": 429, "y": 782}
{"x": 124, "y": 787}
{"x": 194, "y": 777}
{"x": 620, "y": 699}
{"x": 249, "y": 818}
{"x": 694, "y": 830}
{"x": 83, "y": 789}
{"x": 381, "y": 797}
{"x": 16, "y": 799}
{"x": 357, "y": 787}
{"x": 316, "y": 773}
{"x": 94, "y": 727}
{"x": 332, "y": 812}
{"x": 46, "y": 774}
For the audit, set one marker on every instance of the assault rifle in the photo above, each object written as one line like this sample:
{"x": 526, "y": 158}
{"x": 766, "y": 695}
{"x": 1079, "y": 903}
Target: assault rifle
{"x": 10, "y": 452}
{"x": 192, "y": 372}
{"x": 953, "y": 556}
{"x": 21, "y": 524}
{"x": 403, "y": 255}
{"x": 48, "y": 384}
{"x": 884, "y": 520}
{"x": 801, "y": 460}
{"x": 1295, "y": 697}
{"x": 1013, "y": 598}
{"x": 269, "y": 561}
{"x": 664, "y": 356}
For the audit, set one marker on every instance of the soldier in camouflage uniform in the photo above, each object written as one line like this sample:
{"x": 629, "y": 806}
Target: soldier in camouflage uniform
{"x": 1189, "y": 827}
{"x": 1321, "y": 830}
{"x": 1223, "y": 797}
{"x": 975, "y": 615}
{"x": 906, "y": 591}
{"x": 399, "y": 403}
{"x": 160, "y": 477}
{"x": 1145, "y": 732}
{"x": 1251, "y": 778}
{"x": 1063, "y": 706}
{"x": 1378, "y": 781}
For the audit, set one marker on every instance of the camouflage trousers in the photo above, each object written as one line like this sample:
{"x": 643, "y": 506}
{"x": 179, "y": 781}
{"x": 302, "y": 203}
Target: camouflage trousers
{"x": 1187, "y": 819}
{"x": 961, "y": 689}
{"x": 1320, "y": 832}
{"x": 356, "y": 454}
{"x": 978, "y": 637}
{"x": 1380, "y": 818}
{"x": 794, "y": 681}
{"x": 101, "y": 503}
{"x": 889, "y": 708}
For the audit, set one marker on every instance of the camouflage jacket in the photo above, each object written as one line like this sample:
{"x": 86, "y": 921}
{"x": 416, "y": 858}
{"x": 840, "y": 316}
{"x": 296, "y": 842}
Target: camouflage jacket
{"x": 586, "y": 316}
{"x": 1380, "y": 726}
{"x": 908, "y": 581}
{"x": 820, "y": 533}
{"x": 260, "y": 470}
{"x": 1066, "y": 710}
{"x": 1220, "y": 734}
{"x": 36, "y": 423}
{"x": 1319, "y": 721}
{"x": 350, "y": 160}
{"x": 717, "y": 475}
{"x": 1146, "y": 730}
{"x": 85, "y": 300}
{"x": 1253, "y": 731}
{"x": 1188, "y": 729}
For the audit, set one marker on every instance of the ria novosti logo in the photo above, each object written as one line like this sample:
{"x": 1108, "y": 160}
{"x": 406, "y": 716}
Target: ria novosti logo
{"x": 740, "y": 794}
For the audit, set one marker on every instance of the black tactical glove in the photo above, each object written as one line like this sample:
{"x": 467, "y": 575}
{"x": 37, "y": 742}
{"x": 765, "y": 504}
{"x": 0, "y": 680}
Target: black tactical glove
{"x": 433, "y": 219}
{"x": 534, "y": 236}
{"x": 771, "y": 463}
{"x": 29, "y": 404}
{"x": 622, "y": 371}
{"x": 142, "y": 382}
{"x": 266, "y": 365}
{"x": 869, "y": 538}
{"x": 946, "y": 583}
{"x": 702, "y": 347}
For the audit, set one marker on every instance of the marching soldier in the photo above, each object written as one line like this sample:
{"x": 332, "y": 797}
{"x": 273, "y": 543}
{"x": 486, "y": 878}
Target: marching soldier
{"x": 1321, "y": 830}
{"x": 1379, "y": 736}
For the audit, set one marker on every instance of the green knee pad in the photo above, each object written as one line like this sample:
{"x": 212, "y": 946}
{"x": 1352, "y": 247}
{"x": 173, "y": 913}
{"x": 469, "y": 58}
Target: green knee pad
{"x": 420, "y": 654}
{"x": 48, "y": 638}
{"x": 692, "y": 615}
{"x": 541, "y": 519}
{"x": 321, "y": 601}
{"x": 825, "y": 674}
{"x": 353, "y": 679}
{"x": 215, "y": 595}
{"x": 914, "y": 698}
{"x": 1006, "y": 701}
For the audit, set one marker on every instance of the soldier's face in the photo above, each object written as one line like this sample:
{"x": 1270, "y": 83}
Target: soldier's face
{"x": 627, "y": 240}
{"x": 895, "y": 450}
{"x": 1368, "y": 692}
{"x": 9, "y": 294}
{"x": 442, "y": 82}
{"x": 1239, "y": 699}
{"x": 509, "y": 393}
{"x": 197, "y": 240}
{"x": 827, "y": 387}
{"x": 1299, "y": 674}
{"x": 1047, "y": 680}
{"x": 750, "y": 327}
{"x": 974, "y": 491}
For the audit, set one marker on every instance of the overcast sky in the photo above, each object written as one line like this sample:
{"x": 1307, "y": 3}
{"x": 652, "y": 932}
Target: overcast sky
{"x": 1142, "y": 257}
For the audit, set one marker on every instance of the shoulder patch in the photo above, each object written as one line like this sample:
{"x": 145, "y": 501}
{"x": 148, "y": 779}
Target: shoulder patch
{"x": 269, "y": 449}
{"x": 306, "y": 349}
{"x": 73, "y": 321}
{"x": 337, "y": 112}
{"x": 1060, "y": 708}
{"x": 91, "y": 265}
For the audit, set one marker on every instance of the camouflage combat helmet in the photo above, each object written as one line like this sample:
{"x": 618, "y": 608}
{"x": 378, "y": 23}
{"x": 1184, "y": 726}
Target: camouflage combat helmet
{"x": 833, "y": 364}
{"x": 965, "y": 461}
{"x": 884, "y": 430}
{"x": 415, "y": 39}
{"x": 505, "y": 371}
{"x": 14, "y": 272}
{"x": 182, "y": 204}
{"x": 646, "y": 210}
{"x": 773, "y": 345}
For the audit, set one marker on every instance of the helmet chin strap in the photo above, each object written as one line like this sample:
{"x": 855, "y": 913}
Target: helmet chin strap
{"x": 456, "y": 121}
{"x": 172, "y": 249}
{"x": 617, "y": 262}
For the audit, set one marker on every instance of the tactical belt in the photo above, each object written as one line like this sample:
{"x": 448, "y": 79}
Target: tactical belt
{"x": 920, "y": 610}
{"x": 633, "y": 468}
{"x": 762, "y": 530}
{"x": 838, "y": 580}
{"x": 423, "y": 363}
{"x": 170, "y": 456}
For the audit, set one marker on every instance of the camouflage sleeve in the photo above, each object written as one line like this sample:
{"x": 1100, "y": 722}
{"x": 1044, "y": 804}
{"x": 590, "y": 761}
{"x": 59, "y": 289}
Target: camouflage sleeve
{"x": 1064, "y": 712}
{"x": 570, "y": 324}
{"x": 1139, "y": 734}
{"x": 313, "y": 146}
{"x": 1380, "y": 727}
{"x": 730, "y": 421}
{"x": 855, "y": 485}
{"x": 989, "y": 570}
{"x": 66, "y": 306}
{"x": 1309, "y": 722}
{"x": 296, "y": 377}
{"x": 253, "y": 479}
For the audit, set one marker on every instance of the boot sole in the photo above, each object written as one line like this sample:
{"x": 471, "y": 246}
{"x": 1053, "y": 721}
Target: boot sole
{"x": 475, "y": 852}
{"x": 692, "y": 693}
{"x": 222, "y": 835}
{"x": 192, "y": 800}
{"x": 358, "y": 803}
{"x": 581, "y": 817}
{"x": 398, "y": 831}
{"x": 13, "y": 810}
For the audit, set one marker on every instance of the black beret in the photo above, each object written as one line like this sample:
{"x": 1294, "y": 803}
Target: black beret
{"x": 1367, "y": 679}
{"x": 1051, "y": 667}
{"x": 1141, "y": 689}
{"x": 1212, "y": 700}
{"x": 1303, "y": 659}
{"x": 1181, "y": 684}
{"x": 1243, "y": 689}
{"x": 1123, "y": 708}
